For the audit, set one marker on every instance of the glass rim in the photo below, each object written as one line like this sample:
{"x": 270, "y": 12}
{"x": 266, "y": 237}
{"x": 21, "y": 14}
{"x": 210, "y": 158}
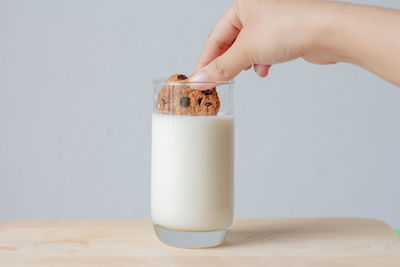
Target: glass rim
{"x": 162, "y": 80}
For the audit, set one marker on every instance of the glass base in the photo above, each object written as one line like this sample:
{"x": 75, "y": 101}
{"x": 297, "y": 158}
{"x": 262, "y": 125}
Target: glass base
{"x": 186, "y": 239}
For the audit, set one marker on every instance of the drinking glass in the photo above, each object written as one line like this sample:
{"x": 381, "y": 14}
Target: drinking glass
{"x": 192, "y": 169}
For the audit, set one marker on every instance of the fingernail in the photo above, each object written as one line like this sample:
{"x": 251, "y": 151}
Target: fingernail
{"x": 200, "y": 76}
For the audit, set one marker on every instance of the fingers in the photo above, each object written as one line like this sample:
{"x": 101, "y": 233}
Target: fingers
{"x": 221, "y": 36}
{"x": 261, "y": 70}
{"x": 224, "y": 67}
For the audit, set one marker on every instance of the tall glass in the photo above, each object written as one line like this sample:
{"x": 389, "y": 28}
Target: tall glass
{"x": 192, "y": 163}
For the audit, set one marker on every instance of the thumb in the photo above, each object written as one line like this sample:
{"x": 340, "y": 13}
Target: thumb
{"x": 222, "y": 68}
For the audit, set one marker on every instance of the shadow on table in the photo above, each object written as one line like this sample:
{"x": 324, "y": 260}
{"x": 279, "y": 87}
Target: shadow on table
{"x": 289, "y": 230}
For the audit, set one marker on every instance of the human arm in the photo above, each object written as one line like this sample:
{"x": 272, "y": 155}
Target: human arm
{"x": 266, "y": 32}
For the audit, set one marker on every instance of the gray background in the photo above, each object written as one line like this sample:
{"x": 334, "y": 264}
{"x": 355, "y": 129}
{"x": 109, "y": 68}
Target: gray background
{"x": 75, "y": 117}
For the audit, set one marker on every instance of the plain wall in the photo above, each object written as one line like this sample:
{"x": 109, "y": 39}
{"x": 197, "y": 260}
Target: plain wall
{"x": 75, "y": 117}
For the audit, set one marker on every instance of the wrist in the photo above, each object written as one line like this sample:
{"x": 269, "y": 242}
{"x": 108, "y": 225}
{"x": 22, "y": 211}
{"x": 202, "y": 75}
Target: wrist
{"x": 326, "y": 39}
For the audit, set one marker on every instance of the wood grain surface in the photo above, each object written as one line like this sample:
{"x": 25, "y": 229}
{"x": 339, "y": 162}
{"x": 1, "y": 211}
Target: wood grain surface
{"x": 251, "y": 242}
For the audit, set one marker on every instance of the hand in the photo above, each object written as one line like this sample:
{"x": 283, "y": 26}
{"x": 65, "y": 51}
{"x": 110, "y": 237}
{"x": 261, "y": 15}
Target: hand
{"x": 266, "y": 32}
{"x": 259, "y": 33}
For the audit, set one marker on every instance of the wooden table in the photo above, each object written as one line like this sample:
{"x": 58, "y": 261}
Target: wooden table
{"x": 252, "y": 242}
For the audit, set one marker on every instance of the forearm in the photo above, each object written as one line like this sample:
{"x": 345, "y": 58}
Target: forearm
{"x": 363, "y": 35}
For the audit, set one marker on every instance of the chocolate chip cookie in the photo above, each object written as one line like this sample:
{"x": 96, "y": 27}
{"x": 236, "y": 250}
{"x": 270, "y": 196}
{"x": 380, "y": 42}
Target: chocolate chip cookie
{"x": 180, "y": 99}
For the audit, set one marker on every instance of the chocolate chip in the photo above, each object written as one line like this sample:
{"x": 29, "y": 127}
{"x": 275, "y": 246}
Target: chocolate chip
{"x": 199, "y": 100}
{"x": 207, "y": 92}
{"x": 163, "y": 100}
{"x": 208, "y": 104}
{"x": 181, "y": 77}
{"x": 185, "y": 101}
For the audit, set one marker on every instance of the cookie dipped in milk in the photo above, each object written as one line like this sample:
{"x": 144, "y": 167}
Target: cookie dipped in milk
{"x": 192, "y": 162}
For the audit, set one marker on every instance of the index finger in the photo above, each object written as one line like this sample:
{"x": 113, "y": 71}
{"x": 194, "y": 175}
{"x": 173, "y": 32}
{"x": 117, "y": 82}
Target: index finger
{"x": 221, "y": 36}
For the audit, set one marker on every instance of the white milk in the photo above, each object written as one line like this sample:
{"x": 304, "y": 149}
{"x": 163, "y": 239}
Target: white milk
{"x": 192, "y": 172}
